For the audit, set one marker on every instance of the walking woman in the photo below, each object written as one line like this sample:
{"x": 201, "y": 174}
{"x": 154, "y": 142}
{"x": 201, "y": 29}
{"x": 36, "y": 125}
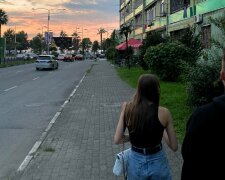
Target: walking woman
{"x": 147, "y": 124}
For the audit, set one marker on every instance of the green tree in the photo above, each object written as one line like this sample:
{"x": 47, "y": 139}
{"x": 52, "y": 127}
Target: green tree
{"x": 22, "y": 41}
{"x": 63, "y": 34}
{"x": 38, "y": 44}
{"x": 152, "y": 39}
{"x": 193, "y": 42}
{"x": 107, "y": 43}
{"x": 125, "y": 30}
{"x": 86, "y": 44}
{"x": 100, "y": 32}
{"x": 53, "y": 47}
{"x": 3, "y": 20}
{"x": 63, "y": 45}
{"x": 75, "y": 41}
{"x": 9, "y": 35}
{"x": 202, "y": 79}
{"x": 220, "y": 24}
{"x": 95, "y": 46}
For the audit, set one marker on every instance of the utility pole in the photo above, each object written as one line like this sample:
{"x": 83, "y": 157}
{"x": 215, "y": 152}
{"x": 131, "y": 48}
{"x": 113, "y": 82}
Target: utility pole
{"x": 15, "y": 41}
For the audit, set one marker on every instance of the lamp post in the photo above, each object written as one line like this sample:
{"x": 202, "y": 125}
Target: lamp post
{"x": 47, "y": 38}
{"x": 82, "y": 32}
{"x": 15, "y": 41}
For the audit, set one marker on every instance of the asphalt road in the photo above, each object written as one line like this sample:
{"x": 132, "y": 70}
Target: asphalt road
{"x": 28, "y": 101}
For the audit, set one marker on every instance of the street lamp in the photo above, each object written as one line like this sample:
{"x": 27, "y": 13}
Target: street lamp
{"x": 82, "y": 32}
{"x": 42, "y": 29}
{"x": 47, "y": 40}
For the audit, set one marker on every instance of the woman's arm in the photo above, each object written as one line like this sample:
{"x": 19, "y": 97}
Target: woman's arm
{"x": 119, "y": 136}
{"x": 169, "y": 134}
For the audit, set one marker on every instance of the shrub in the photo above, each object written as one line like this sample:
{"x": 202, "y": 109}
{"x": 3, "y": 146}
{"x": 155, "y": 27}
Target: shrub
{"x": 152, "y": 39}
{"x": 111, "y": 53}
{"x": 166, "y": 59}
{"x": 193, "y": 42}
{"x": 203, "y": 80}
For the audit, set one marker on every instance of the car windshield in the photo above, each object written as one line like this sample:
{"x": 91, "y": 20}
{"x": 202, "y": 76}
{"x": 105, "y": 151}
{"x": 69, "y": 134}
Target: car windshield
{"x": 44, "y": 58}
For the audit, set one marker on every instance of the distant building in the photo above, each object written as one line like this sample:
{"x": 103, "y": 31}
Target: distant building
{"x": 170, "y": 16}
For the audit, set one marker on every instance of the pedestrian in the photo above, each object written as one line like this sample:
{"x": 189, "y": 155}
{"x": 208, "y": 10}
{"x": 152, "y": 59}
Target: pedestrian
{"x": 147, "y": 123}
{"x": 202, "y": 149}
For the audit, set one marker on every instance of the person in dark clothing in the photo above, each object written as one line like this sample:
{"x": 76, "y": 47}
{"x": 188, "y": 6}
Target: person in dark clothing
{"x": 202, "y": 148}
{"x": 147, "y": 123}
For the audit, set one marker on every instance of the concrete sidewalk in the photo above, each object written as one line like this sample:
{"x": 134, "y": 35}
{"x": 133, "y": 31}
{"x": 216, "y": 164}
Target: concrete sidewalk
{"x": 79, "y": 146}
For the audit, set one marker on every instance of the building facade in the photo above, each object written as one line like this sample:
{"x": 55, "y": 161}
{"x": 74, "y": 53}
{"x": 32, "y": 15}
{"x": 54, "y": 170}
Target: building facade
{"x": 170, "y": 17}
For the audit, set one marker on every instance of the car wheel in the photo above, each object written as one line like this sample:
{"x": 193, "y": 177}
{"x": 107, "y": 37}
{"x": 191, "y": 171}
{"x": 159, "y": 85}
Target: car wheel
{"x": 57, "y": 66}
{"x": 37, "y": 69}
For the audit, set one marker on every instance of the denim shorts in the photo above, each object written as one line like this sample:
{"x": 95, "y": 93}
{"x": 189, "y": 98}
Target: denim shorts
{"x": 148, "y": 167}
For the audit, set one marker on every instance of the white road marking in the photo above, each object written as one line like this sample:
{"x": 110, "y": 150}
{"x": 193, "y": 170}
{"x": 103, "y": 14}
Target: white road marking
{"x": 19, "y": 71}
{"x": 10, "y": 88}
{"x": 36, "y": 78}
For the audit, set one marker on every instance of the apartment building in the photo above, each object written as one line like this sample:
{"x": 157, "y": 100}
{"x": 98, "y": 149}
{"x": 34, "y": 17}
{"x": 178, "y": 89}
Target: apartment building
{"x": 171, "y": 17}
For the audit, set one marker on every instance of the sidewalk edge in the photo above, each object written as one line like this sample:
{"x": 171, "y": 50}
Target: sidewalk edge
{"x": 38, "y": 143}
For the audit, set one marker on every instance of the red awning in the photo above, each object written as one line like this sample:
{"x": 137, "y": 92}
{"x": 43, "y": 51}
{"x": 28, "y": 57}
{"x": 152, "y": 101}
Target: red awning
{"x": 134, "y": 43}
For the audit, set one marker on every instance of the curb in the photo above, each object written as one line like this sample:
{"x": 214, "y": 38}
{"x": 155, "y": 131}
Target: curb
{"x": 38, "y": 143}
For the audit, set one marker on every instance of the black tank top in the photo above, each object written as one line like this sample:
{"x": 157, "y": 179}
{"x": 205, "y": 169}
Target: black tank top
{"x": 150, "y": 136}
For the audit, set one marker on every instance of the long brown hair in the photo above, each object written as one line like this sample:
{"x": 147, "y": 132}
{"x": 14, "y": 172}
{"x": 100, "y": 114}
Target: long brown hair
{"x": 145, "y": 103}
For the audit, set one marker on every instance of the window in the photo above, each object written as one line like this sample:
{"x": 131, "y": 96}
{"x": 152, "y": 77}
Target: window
{"x": 206, "y": 36}
{"x": 137, "y": 3}
{"x": 176, "y": 5}
{"x": 151, "y": 14}
{"x": 138, "y": 21}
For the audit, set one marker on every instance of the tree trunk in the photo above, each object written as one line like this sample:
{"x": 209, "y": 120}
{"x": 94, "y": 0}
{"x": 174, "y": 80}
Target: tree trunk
{"x": 101, "y": 42}
{"x": 0, "y": 30}
{"x": 127, "y": 55}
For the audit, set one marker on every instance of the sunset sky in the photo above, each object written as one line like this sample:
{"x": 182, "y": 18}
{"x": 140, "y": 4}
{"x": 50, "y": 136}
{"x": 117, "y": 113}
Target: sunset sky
{"x": 87, "y": 14}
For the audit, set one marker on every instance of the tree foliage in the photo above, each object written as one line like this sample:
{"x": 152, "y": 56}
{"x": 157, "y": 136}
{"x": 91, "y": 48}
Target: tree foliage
{"x": 220, "y": 24}
{"x": 202, "y": 80}
{"x": 193, "y": 42}
{"x": 152, "y": 39}
{"x": 75, "y": 41}
{"x": 38, "y": 44}
{"x": 85, "y": 44}
{"x": 9, "y": 35}
{"x": 3, "y": 20}
{"x": 22, "y": 41}
{"x": 100, "y": 32}
{"x": 95, "y": 46}
{"x": 165, "y": 59}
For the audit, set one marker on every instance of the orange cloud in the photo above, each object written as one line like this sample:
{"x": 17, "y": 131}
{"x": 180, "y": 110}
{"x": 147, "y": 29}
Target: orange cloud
{"x": 86, "y": 14}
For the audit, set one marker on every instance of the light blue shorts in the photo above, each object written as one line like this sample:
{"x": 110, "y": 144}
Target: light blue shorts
{"x": 148, "y": 167}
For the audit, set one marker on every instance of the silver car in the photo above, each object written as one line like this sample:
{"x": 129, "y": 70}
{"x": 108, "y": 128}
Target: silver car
{"x": 46, "y": 62}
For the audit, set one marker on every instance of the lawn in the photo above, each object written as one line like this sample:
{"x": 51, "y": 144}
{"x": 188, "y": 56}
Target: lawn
{"x": 173, "y": 96}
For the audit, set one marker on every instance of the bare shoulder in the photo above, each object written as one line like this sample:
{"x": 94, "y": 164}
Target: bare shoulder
{"x": 164, "y": 115}
{"x": 164, "y": 111}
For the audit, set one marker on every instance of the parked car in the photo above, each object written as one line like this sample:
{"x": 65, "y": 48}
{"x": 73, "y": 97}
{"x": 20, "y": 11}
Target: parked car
{"x": 21, "y": 57}
{"x": 31, "y": 55}
{"x": 46, "y": 62}
{"x": 101, "y": 55}
{"x": 79, "y": 57}
{"x": 61, "y": 57}
{"x": 69, "y": 57}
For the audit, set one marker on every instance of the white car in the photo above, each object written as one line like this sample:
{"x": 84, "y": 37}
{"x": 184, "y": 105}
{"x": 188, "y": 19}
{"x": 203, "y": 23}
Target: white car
{"x": 46, "y": 62}
{"x": 61, "y": 57}
{"x": 21, "y": 57}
